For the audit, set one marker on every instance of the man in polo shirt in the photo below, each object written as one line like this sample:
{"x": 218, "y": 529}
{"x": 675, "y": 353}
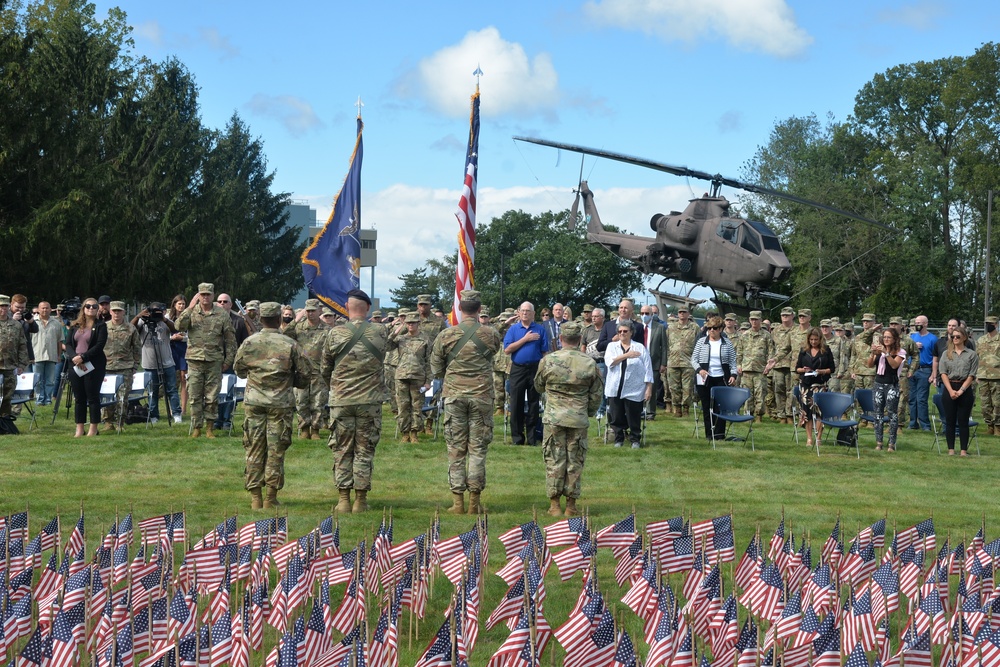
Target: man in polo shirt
{"x": 921, "y": 380}
{"x": 526, "y": 343}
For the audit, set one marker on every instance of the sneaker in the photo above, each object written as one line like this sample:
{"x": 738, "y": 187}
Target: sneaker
{"x": 153, "y": 420}
{"x": 177, "y": 419}
{"x": 635, "y": 445}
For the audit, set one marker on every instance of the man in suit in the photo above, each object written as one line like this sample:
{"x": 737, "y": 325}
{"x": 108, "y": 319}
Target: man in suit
{"x": 553, "y": 326}
{"x": 610, "y": 331}
{"x": 655, "y": 340}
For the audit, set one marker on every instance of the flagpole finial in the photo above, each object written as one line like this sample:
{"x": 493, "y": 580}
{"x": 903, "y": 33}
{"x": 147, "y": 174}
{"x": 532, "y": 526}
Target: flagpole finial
{"x": 359, "y": 104}
{"x": 478, "y": 73}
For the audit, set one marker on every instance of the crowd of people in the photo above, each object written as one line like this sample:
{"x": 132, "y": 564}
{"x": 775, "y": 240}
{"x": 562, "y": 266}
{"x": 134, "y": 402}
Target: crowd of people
{"x": 336, "y": 373}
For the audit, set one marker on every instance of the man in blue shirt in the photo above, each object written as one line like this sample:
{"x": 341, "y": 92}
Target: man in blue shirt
{"x": 526, "y": 343}
{"x": 921, "y": 379}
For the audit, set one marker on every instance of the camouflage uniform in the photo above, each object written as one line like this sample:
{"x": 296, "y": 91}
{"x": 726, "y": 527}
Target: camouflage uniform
{"x": 755, "y": 350}
{"x": 391, "y": 362}
{"x": 833, "y": 344}
{"x": 468, "y": 399}
{"x": 846, "y": 357}
{"x": 412, "y": 373}
{"x": 912, "y": 363}
{"x": 988, "y": 378}
{"x": 785, "y": 357}
{"x": 573, "y": 389}
{"x": 13, "y": 356}
{"x": 211, "y": 347}
{"x": 680, "y": 374}
{"x": 311, "y": 400}
{"x": 273, "y": 364}
{"x": 864, "y": 377}
{"x": 501, "y": 365}
{"x": 430, "y": 327}
{"x": 124, "y": 353}
{"x": 357, "y": 391}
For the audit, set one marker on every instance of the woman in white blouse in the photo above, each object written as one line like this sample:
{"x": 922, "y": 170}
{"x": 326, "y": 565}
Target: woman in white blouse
{"x": 714, "y": 360}
{"x": 629, "y": 384}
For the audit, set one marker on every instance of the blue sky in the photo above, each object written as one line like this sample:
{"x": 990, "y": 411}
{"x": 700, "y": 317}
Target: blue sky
{"x": 693, "y": 82}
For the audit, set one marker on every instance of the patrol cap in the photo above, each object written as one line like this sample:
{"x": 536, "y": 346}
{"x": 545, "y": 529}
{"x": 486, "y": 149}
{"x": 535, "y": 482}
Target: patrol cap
{"x": 992, "y": 319}
{"x": 4, "y": 300}
{"x": 787, "y": 310}
{"x": 744, "y": 326}
{"x": 403, "y": 311}
{"x": 312, "y": 304}
{"x": 849, "y": 326}
{"x": 326, "y": 311}
{"x": 104, "y": 298}
{"x": 377, "y": 313}
{"x": 825, "y": 323}
{"x": 269, "y": 309}
{"x": 570, "y": 329}
{"x": 412, "y": 318}
{"x": 253, "y": 304}
{"x": 117, "y": 305}
{"x": 755, "y": 315}
{"x": 731, "y": 316}
{"x": 203, "y": 288}
{"x": 838, "y": 327}
{"x": 392, "y": 313}
{"x": 587, "y": 308}
{"x": 485, "y": 312}
{"x": 423, "y": 298}
{"x": 359, "y": 295}
{"x": 683, "y": 308}
{"x": 466, "y": 295}
{"x": 896, "y": 319}
{"x": 805, "y": 311}
{"x": 868, "y": 317}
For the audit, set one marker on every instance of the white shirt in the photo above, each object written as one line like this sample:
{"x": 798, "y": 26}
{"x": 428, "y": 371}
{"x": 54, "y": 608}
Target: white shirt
{"x": 637, "y": 372}
{"x": 715, "y": 358}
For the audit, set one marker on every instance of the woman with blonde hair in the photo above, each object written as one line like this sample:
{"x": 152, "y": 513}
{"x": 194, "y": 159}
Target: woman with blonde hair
{"x": 85, "y": 342}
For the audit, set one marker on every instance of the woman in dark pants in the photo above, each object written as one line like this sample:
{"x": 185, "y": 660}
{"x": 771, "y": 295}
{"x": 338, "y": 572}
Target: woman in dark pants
{"x": 815, "y": 366}
{"x": 957, "y": 367}
{"x": 85, "y": 349}
{"x": 714, "y": 358}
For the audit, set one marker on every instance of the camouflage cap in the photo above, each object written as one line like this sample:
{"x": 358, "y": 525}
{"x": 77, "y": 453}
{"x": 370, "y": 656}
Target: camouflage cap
{"x": 992, "y": 319}
{"x": 403, "y": 311}
{"x": 206, "y": 288}
{"x": 485, "y": 312}
{"x": 744, "y": 326}
{"x": 570, "y": 329}
{"x": 838, "y": 327}
{"x": 391, "y": 313}
{"x": 117, "y": 305}
{"x": 4, "y": 300}
{"x": 806, "y": 312}
{"x": 787, "y": 310}
{"x": 312, "y": 304}
{"x": 326, "y": 311}
{"x": 423, "y": 298}
{"x": 253, "y": 304}
{"x": 587, "y": 308}
{"x": 849, "y": 326}
{"x": 755, "y": 315}
{"x": 731, "y": 316}
{"x": 825, "y": 323}
{"x": 896, "y": 319}
{"x": 377, "y": 313}
{"x": 269, "y": 309}
{"x": 834, "y": 320}
{"x": 684, "y": 308}
{"x": 466, "y": 295}
{"x": 412, "y": 318}
{"x": 868, "y": 317}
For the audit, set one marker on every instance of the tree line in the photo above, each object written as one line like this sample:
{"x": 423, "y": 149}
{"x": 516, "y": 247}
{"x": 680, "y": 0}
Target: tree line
{"x": 109, "y": 180}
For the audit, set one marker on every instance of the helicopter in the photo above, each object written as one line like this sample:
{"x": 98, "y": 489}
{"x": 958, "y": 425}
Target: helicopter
{"x": 706, "y": 244}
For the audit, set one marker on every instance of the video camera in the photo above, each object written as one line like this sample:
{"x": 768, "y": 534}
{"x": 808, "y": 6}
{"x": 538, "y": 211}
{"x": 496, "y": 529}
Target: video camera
{"x": 156, "y": 310}
{"x": 71, "y": 308}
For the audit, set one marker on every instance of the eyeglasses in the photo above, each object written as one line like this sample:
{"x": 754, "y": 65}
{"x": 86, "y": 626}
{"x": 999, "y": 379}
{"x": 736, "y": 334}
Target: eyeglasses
{"x": 223, "y": 301}
{"x": 957, "y": 337}
{"x": 625, "y": 331}
{"x": 714, "y": 328}
{"x": 90, "y": 305}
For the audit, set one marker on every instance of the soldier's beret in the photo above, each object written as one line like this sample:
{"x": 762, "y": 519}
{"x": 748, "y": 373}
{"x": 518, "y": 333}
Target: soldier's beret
{"x": 312, "y": 304}
{"x": 868, "y": 317}
{"x": 466, "y": 295}
{"x": 805, "y": 311}
{"x": 4, "y": 300}
{"x": 731, "y": 316}
{"x": 117, "y": 305}
{"x": 423, "y": 298}
{"x": 206, "y": 288}
{"x": 896, "y": 319}
{"x": 787, "y": 310}
{"x": 269, "y": 309}
{"x": 104, "y": 298}
{"x": 587, "y": 308}
{"x": 825, "y": 323}
{"x": 253, "y": 304}
{"x": 359, "y": 295}
{"x": 992, "y": 319}
{"x": 570, "y": 329}
{"x": 755, "y": 315}
{"x": 412, "y": 318}
{"x": 377, "y": 313}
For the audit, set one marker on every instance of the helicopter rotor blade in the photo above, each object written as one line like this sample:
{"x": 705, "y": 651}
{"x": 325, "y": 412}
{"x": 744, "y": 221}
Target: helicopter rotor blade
{"x": 715, "y": 179}
{"x": 576, "y": 202}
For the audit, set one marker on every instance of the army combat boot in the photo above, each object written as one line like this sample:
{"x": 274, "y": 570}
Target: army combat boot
{"x": 571, "y": 507}
{"x": 210, "y": 431}
{"x": 474, "y": 506}
{"x": 196, "y": 433}
{"x": 554, "y": 508}
{"x": 457, "y": 503}
{"x": 415, "y": 436}
{"x": 314, "y": 433}
{"x": 360, "y": 501}
{"x": 344, "y": 506}
{"x": 256, "y": 501}
{"x": 271, "y": 498}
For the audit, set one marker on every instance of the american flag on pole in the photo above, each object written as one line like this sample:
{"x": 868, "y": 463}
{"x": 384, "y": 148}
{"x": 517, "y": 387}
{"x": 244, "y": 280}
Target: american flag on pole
{"x": 466, "y": 213}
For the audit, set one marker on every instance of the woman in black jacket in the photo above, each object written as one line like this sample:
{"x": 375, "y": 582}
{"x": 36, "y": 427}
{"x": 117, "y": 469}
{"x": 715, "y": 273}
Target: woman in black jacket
{"x": 85, "y": 352}
{"x": 815, "y": 367}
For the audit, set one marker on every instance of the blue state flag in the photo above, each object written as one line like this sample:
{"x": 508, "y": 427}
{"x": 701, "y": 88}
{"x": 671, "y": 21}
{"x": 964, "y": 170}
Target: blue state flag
{"x": 331, "y": 264}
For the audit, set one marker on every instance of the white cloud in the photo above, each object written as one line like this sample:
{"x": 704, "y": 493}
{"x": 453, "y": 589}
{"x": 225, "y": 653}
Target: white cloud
{"x": 918, "y": 16}
{"x": 416, "y": 224}
{"x": 295, "y": 113}
{"x": 219, "y": 42}
{"x": 751, "y": 25}
{"x": 150, "y": 31}
{"x": 513, "y": 82}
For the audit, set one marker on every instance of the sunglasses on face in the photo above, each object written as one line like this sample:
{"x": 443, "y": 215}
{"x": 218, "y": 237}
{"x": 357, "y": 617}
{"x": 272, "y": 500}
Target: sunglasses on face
{"x": 714, "y": 328}
{"x": 957, "y": 337}
{"x": 625, "y": 331}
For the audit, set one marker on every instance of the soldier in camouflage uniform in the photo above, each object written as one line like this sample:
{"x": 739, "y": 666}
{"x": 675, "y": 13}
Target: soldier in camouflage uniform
{"x": 463, "y": 356}
{"x": 785, "y": 357}
{"x": 847, "y": 358}
{"x": 832, "y": 344}
{"x": 797, "y": 339}
{"x": 988, "y": 375}
{"x": 211, "y": 349}
{"x": 272, "y": 364}
{"x": 501, "y": 363}
{"x": 13, "y": 353}
{"x": 573, "y": 390}
{"x": 391, "y": 362}
{"x": 354, "y": 359}
{"x": 309, "y": 331}
{"x": 732, "y": 329}
{"x": 864, "y": 377}
{"x": 430, "y": 326}
{"x": 412, "y": 375}
{"x": 124, "y": 352}
{"x": 680, "y": 374}
{"x": 911, "y": 364}
{"x": 755, "y": 358}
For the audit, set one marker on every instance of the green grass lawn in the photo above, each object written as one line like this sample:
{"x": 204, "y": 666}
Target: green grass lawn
{"x": 159, "y": 469}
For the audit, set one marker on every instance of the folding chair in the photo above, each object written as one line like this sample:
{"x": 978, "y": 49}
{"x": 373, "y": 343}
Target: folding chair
{"x": 699, "y": 420}
{"x": 726, "y": 405}
{"x": 797, "y": 412}
{"x": 434, "y": 403}
{"x": 24, "y": 394}
{"x": 865, "y": 411}
{"x": 109, "y": 393}
{"x": 832, "y": 407}
{"x": 973, "y": 425}
{"x": 239, "y": 393}
{"x": 137, "y": 393}
{"x": 226, "y": 394}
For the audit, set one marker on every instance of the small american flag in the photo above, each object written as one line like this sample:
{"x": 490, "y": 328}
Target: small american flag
{"x": 620, "y": 534}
